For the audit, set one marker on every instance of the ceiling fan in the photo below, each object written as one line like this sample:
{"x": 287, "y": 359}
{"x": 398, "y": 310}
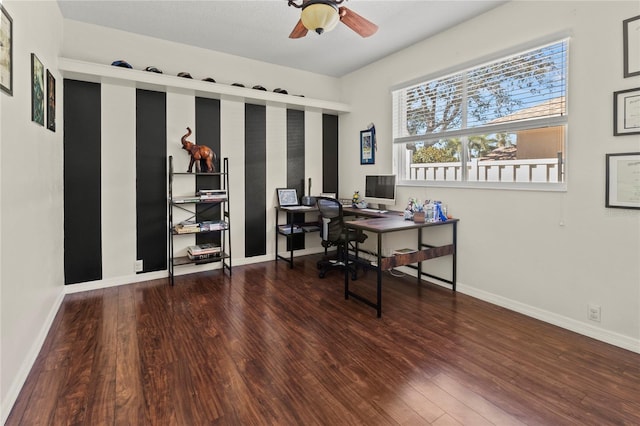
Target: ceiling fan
{"x": 323, "y": 15}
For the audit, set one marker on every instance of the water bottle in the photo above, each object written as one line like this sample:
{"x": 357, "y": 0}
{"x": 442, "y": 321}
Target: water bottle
{"x": 429, "y": 216}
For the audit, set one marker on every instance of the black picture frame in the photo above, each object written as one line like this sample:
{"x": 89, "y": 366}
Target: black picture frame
{"x": 6, "y": 52}
{"x": 631, "y": 45}
{"x": 626, "y": 112}
{"x": 37, "y": 90}
{"x": 51, "y": 102}
{"x": 287, "y": 197}
{"x": 367, "y": 147}
{"x": 623, "y": 180}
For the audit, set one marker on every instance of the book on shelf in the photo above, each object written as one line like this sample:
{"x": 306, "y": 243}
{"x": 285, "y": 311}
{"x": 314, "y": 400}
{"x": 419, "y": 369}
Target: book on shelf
{"x": 404, "y": 251}
{"x": 188, "y": 223}
{"x": 205, "y": 248}
{"x": 212, "y": 198}
{"x": 180, "y": 200}
{"x": 212, "y": 194}
{"x": 205, "y": 226}
{"x": 203, "y": 256}
{"x": 219, "y": 192}
{"x": 213, "y": 225}
{"x": 186, "y": 229}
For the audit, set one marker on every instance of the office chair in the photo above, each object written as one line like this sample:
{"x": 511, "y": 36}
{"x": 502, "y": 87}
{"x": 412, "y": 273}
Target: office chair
{"x": 334, "y": 233}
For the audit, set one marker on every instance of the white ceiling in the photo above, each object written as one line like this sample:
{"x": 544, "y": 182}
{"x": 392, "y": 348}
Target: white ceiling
{"x": 259, "y": 29}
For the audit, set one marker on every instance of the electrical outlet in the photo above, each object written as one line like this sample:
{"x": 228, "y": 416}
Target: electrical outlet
{"x": 594, "y": 313}
{"x": 138, "y": 266}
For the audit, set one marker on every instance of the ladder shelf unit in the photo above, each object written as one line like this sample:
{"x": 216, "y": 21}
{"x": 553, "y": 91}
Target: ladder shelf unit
{"x": 201, "y": 218}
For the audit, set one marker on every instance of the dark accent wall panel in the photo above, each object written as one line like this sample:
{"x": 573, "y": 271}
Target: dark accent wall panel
{"x": 295, "y": 166}
{"x": 208, "y": 133}
{"x": 330, "y": 153}
{"x": 151, "y": 179}
{"x": 255, "y": 176}
{"x": 82, "y": 182}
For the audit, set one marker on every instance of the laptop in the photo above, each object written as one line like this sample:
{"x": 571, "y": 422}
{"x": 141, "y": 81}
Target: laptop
{"x": 288, "y": 199}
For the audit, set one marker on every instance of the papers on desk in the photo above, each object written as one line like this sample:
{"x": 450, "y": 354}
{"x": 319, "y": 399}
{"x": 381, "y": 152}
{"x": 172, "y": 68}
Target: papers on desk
{"x": 290, "y": 229}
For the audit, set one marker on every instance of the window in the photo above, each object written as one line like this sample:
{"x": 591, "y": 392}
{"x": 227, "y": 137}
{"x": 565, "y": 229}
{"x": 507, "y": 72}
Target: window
{"x": 504, "y": 120}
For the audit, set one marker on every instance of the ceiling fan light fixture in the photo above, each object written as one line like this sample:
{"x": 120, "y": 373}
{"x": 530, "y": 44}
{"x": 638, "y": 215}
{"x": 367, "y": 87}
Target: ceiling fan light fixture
{"x": 320, "y": 16}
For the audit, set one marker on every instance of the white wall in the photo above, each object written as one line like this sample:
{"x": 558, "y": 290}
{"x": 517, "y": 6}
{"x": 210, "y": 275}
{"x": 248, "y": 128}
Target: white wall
{"x": 92, "y": 43}
{"x": 31, "y": 265}
{"x": 513, "y": 249}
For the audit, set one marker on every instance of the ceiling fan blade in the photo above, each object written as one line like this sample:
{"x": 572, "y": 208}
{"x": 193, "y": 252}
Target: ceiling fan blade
{"x": 357, "y": 23}
{"x": 299, "y": 30}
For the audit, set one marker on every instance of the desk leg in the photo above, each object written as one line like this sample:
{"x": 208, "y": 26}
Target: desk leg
{"x": 346, "y": 281}
{"x": 379, "y": 284}
{"x": 276, "y": 235}
{"x": 455, "y": 255}
{"x": 290, "y": 239}
{"x": 419, "y": 248}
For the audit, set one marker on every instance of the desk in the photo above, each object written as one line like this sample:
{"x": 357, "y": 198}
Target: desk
{"x": 382, "y": 223}
{"x": 291, "y": 228}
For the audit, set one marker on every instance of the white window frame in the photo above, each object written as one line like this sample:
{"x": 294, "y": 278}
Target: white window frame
{"x": 399, "y": 150}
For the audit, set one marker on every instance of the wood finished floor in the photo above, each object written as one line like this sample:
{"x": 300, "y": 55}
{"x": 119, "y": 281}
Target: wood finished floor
{"x": 274, "y": 346}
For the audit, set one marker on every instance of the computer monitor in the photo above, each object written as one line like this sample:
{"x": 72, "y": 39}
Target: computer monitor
{"x": 380, "y": 190}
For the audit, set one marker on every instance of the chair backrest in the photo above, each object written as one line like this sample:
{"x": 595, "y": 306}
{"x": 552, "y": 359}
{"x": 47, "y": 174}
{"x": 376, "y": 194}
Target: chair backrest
{"x": 332, "y": 219}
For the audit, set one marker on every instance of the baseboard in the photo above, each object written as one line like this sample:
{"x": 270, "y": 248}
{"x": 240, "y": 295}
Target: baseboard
{"x": 113, "y": 282}
{"x": 606, "y": 336}
{"x": 183, "y": 270}
{"x": 610, "y": 337}
{"x": 21, "y": 377}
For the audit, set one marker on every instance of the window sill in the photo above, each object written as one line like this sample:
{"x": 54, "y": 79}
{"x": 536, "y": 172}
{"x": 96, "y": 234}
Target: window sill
{"x": 506, "y": 186}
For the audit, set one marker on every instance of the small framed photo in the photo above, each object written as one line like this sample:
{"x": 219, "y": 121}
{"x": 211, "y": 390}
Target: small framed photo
{"x": 37, "y": 90}
{"x": 626, "y": 112}
{"x": 623, "y": 181}
{"x": 6, "y": 52}
{"x": 367, "y": 147}
{"x": 287, "y": 197}
{"x": 631, "y": 45}
{"x": 51, "y": 102}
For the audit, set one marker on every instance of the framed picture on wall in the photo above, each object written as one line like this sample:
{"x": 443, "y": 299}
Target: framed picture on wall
{"x": 626, "y": 112}
{"x": 623, "y": 180}
{"x": 367, "y": 148}
{"x": 37, "y": 90}
{"x": 631, "y": 44}
{"x": 6, "y": 52}
{"x": 51, "y": 102}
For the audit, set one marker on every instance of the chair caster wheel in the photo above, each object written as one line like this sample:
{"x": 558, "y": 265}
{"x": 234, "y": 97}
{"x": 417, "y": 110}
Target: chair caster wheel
{"x": 321, "y": 275}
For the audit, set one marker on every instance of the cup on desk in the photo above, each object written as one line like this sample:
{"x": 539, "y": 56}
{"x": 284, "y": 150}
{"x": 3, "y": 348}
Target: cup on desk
{"x": 418, "y": 217}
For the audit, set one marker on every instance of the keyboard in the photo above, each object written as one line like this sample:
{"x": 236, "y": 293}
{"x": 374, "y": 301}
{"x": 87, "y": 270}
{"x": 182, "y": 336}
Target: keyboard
{"x": 374, "y": 210}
